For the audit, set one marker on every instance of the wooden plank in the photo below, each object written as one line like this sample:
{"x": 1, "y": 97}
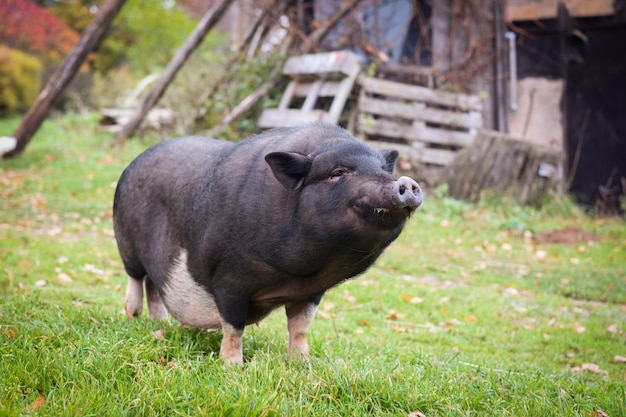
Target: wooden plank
{"x": 327, "y": 89}
{"x": 343, "y": 62}
{"x": 418, "y": 93}
{"x": 289, "y": 117}
{"x": 334, "y": 112}
{"x": 547, "y": 9}
{"x": 285, "y": 100}
{"x": 419, "y": 111}
{"x": 421, "y": 154}
{"x": 387, "y": 128}
{"x": 311, "y": 97}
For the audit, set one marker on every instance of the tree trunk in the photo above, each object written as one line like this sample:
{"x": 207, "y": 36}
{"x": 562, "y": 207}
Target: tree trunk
{"x": 195, "y": 39}
{"x": 64, "y": 74}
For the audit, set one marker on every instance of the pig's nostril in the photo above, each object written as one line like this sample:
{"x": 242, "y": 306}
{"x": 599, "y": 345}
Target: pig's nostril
{"x": 407, "y": 192}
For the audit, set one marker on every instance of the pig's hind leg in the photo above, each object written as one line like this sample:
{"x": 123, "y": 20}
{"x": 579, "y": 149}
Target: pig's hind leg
{"x": 156, "y": 308}
{"x": 299, "y": 318}
{"x": 133, "y": 304}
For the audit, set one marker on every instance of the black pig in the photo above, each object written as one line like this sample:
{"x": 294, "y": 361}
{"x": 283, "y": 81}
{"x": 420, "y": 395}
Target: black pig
{"x": 222, "y": 233}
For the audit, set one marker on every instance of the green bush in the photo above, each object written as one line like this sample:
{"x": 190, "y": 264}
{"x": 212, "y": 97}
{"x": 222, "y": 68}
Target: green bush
{"x": 20, "y": 79}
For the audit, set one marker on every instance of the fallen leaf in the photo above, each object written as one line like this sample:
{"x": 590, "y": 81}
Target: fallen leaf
{"x": 40, "y": 283}
{"x": 392, "y": 316}
{"x": 328, "y": 306}
{"x": 159, "y": 334}
{"x": 470, "y": 319}
{"x": 10, "y": 333}
{"x": 359, "y": 330}
{"x": 365, "y": 323}
{"x": 540, "y": 255}
{"x": 37, "y": 404}
{"x": 612, "y": 328}
{"x": 580, "y": 328}
{"x": 323, "y": 315}
{"x": 349, "y": 297}
{"x": 95, "y": 321}
{"x": 447, "y": 325}
{"x": 63, "y": 278}
{"x": 591, "y": 367}
{"x": 600, "y": 413}
{"x": 619, "y": 359}
{"x": 401, "y": 330}
{"x": 416, "y": 414}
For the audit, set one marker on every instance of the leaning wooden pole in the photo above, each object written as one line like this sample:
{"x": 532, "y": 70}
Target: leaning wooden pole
{"x": 64, "y": 74}
{"x": 195, "y": 39}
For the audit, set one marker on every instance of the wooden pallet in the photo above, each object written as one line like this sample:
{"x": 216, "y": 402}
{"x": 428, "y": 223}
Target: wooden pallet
{"x": 329, "y": 76}
{"x": 426, "y": 125}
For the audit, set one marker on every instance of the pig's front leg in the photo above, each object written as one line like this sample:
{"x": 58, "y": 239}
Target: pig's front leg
{"x": 299, "y": 317}
{"x": 231, "y": 348}
{"x": 234, "y": 315}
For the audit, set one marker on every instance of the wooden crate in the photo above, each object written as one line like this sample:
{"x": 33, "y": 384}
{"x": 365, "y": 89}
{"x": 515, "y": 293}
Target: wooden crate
{"x": 426, "y": 125}
{"x": 327, "y": 75}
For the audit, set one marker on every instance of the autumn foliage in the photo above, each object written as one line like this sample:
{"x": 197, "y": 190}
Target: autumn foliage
{"x": 20, "y": 76}
{"x": 35, "y": 30}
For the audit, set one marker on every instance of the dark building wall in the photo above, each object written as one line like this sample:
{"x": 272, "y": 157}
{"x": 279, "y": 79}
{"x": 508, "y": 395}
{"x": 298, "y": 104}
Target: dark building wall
{"x": 587, "y": 55}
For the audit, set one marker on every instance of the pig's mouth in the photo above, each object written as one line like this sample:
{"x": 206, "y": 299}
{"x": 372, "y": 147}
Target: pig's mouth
{"x": 384, "y": 216}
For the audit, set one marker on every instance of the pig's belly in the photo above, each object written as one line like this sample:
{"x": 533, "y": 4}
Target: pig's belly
{"x": 187, "y": 301}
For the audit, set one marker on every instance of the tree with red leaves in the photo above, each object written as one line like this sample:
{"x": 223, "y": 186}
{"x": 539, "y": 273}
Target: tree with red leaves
{"x": 33, "y": 29}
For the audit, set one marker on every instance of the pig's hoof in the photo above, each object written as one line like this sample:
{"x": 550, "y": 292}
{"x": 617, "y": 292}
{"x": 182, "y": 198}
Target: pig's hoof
{"x": 132, "y": 312}
{"x": 300, "y": 353}
{"x": 237, "y": 361}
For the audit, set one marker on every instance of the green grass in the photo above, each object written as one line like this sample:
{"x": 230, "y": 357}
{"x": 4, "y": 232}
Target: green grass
{"x": 462, "y": 316}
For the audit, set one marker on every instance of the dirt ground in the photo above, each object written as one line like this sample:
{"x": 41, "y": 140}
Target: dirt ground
{"x": 568, "y": 235}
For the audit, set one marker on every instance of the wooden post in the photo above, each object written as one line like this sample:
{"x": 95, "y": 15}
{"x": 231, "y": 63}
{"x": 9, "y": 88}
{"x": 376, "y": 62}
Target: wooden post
{"x": 195, "y": 39}
{"x": 64, "y": 74}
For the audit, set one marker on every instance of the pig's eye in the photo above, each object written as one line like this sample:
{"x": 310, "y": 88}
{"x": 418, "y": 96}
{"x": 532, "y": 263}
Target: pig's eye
{"x": 337, "y": 173}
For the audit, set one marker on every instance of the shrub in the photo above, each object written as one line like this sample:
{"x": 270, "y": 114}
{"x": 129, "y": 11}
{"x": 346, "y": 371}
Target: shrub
{"x": 20, "y": 80}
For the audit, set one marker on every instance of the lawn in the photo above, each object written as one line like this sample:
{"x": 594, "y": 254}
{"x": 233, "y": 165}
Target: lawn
{"x": 489, "y": 309}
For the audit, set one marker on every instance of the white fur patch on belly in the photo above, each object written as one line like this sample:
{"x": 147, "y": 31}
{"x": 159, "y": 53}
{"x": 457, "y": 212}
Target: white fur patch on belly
{"x": 186, "y": 301}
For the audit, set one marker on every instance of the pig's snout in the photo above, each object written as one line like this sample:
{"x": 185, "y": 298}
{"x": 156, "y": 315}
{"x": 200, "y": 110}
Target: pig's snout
{"x": 407, "y": 193}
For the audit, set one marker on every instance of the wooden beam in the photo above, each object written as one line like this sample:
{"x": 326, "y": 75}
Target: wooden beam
{"x": 92, "y": 35}
{"x": 193, "y": 41}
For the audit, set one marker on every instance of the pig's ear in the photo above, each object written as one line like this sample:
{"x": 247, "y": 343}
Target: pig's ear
{"x": 290, "y": 168}
{"x": 390, "y": 159}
